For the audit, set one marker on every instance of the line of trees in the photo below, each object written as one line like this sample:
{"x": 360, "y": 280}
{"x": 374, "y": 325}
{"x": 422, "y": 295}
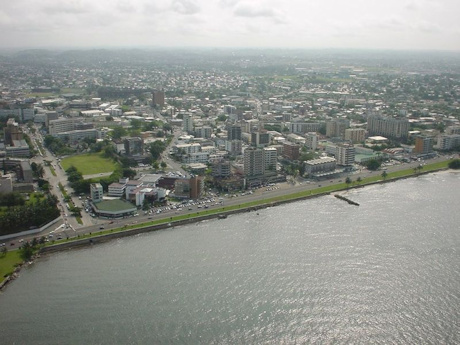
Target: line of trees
{"x": 22, "y": 216}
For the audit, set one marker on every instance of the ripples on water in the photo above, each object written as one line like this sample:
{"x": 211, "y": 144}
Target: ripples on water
{"x": 317, "y": 271}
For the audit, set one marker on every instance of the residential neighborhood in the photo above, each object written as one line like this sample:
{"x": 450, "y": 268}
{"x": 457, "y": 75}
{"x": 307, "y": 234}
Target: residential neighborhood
{"x": 108, "y": 139}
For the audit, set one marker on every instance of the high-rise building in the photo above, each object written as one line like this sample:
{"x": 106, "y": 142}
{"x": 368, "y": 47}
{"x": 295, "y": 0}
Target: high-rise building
{"x": 12, "y": 132}
{"x": 311, "y": 140}
{"x": 187, "y": 122}
{"x": 270, "y": 158}
{"x": 221, "y": 169}
{"x": 196, "y": 187}
{"x": 234, "y": 147}
{"x": 203, "y": 132}
{"x": 28, "y": 114}
{"x": 453, "y": 130}
{"x": 448, "y": 142}
{"x": 336, "y": 128}
{"x": 355, "y": 135}
{"x": 192, "y": 187}
{"x": 291, "y": 151}
{"x": 260, "y": 139}
{"x": 345, "y": 154}
{"x": 423, "y": 145}
{"x": 133, "y": 146}
{"x": 158, "y": 98}
{"x": 234, "y": 133}
{"x": 304, "y": 127}
{"x": 50, "y": 115}
{"x": 387, "y": 126}
{"x": 254, "y": 162}
{"x": 67, "y": 125}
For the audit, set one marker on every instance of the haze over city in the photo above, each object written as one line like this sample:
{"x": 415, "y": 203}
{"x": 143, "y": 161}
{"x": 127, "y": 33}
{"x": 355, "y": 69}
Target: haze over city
{"x": 391, "y": 24}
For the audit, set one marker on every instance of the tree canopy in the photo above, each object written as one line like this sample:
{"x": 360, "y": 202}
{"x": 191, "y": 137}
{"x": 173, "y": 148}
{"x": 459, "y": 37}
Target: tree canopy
{"x": 455, "y": 164}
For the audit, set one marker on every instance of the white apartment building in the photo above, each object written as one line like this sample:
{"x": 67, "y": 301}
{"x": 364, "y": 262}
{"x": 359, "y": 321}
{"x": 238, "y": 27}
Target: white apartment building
{"x": 345, "y": 154}
{"x": 311, "y": 140}
{"x": 187, "y": 148}
{"x": 96, "y": 192}
{"x": 448, "y": 142}
{"x": 196, "y": 157}
{"x": 270, "y": 158}
{"x": 117, "y": 190}
{"x": 187, "y": 122}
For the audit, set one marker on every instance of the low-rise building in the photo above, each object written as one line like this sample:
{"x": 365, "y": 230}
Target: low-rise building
{"x": 114, "y": 208}
{"x": 117, "y": 190}
{"x": 96, "y": 192}
{"x": 320, "y": 167}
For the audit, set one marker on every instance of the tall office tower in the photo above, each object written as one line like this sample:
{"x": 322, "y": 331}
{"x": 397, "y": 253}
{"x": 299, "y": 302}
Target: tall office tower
{"x": 187, "y": 122}
{"x": 12, "y": 132}
{"x": 196, "y": 187}
{"x": 253, "y": 162}
{"x": 133, "y": 146}
{"x": 234, "y": 132}
{"x": 158, "y": 98}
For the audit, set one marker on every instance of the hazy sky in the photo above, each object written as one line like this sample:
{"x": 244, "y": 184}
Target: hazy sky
{"x": 386, "y": 24}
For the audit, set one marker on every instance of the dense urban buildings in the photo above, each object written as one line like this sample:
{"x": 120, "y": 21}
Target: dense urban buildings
{"x": 214, "y": 126}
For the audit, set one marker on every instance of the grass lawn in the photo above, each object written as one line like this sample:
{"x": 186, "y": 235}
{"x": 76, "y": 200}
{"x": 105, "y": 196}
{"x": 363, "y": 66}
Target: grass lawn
{"x": 89, "y": 164}
{"x": 35, "y": 197}
{"x": 8, "y": 263}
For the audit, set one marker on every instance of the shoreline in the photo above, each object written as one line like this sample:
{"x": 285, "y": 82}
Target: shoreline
{"x": 99, "y": 239}
{"x": 95, "y": 239}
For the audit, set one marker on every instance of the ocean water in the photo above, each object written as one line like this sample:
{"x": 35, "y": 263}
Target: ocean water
{"x": 318, "y": 271}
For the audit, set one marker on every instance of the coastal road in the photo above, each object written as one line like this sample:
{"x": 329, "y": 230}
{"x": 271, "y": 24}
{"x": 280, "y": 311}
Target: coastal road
{"x": 278, "y": 189}
{"x": 258, "y": 194}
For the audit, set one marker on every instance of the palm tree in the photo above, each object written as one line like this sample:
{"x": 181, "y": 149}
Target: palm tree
{"x": 384, "y": 175}
{"x": 348, "y": 181}
{"x": 40, "y": 170}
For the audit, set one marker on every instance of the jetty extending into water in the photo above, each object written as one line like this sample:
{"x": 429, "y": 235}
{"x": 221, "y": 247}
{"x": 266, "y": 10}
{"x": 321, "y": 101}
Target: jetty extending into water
{"x": 351, "y": 202}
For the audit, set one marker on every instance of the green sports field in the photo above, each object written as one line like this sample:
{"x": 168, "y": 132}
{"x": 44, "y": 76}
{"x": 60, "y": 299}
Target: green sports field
{"x": 89, "y": 164}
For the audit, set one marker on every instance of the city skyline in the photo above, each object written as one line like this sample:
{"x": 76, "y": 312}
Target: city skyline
{"x": 356, "y": 24}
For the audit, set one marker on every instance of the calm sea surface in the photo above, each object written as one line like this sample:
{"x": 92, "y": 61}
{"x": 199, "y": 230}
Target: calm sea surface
{"x": 319, "y": 271}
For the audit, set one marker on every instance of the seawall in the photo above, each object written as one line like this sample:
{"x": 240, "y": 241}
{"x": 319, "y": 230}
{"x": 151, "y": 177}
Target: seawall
{"x": 124, "y": 233}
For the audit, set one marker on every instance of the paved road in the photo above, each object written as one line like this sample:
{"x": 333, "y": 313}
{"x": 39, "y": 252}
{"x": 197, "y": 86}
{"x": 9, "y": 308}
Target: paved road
{"x": 261, "y": 193}
{"x": 93, "y": 225}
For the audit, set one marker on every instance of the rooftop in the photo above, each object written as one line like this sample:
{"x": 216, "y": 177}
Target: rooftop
{"x": 115, "y": 206}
